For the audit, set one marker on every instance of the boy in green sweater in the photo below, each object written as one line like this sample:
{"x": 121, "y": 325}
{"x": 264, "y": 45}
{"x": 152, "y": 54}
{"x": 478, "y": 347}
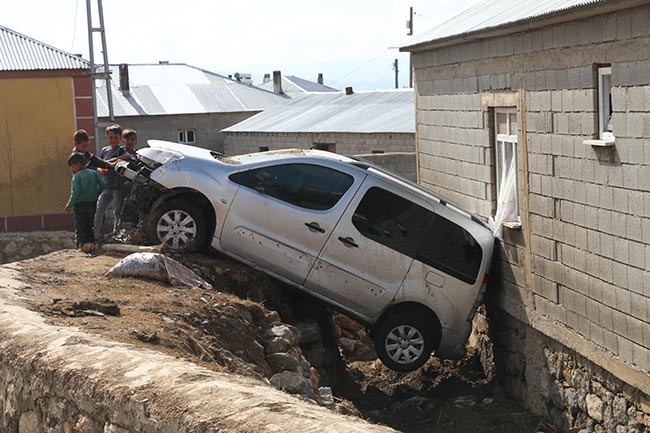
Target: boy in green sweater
{"x": 85, "y": 188}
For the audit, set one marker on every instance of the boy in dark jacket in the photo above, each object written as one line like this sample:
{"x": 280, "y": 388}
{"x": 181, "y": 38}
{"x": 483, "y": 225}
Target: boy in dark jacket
{"x": 82, "y": 145}
{"x": 85, "y": 187}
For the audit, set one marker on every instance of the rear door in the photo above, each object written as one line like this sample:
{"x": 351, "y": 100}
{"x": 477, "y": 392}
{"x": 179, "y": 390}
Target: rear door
{"x": 370, "y": 251}
{"x": 282, "y": 214}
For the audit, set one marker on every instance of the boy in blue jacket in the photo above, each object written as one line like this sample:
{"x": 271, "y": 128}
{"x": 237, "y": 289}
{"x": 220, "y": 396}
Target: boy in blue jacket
{"x": 85, "y": 188}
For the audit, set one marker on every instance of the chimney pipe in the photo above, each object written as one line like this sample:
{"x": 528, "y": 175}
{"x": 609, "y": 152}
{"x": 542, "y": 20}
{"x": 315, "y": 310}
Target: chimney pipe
{"x": 277, "y": 82}
{"x": 267, "y": 78}
{"x": 124, "y": 78}
{"x": 348, "y": 91}
{"x": 320, "y": 78}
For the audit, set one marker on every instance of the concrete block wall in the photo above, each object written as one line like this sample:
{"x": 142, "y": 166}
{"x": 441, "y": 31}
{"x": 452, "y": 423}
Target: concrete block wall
{"x": 237, "y": 143}
{"x": 401, "y": 163}
{"x": 580, "y": 265}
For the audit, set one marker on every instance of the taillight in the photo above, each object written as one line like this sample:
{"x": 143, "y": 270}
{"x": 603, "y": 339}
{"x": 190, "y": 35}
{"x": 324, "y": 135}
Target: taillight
{"x": 479, "y": 298}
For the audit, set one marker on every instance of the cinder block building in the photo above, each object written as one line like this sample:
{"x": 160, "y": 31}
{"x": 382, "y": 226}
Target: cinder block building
{"x": 45, "y": 94}
{"x": 349, "y": 123}
{"x": 537, "y": 114}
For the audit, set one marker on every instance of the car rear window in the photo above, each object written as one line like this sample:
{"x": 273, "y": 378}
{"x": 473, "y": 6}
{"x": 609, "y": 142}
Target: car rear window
{"x": 415, "y": 231}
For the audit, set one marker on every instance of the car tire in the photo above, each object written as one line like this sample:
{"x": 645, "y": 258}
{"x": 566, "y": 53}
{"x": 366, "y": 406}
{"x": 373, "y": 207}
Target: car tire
{"x": 405, "y": 339}
{"x": 179, "y": 225}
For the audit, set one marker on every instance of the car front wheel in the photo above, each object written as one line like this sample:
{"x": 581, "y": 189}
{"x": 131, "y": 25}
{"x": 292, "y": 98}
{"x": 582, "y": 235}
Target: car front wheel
{"x": 179, "y": 225}
{"x": 404, "y": 341}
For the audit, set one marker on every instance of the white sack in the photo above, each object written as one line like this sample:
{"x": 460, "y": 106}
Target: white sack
{"x": 157, "y": 267}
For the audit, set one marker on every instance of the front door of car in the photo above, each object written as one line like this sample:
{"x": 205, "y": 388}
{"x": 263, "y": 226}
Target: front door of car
{"x": 367, "y": 257}
{"x": 282, "y": 215}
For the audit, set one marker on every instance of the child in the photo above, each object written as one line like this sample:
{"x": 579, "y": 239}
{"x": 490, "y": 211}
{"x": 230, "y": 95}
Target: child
{"x": 129, "y": 212}
{"x": 113, "y": 191}
{"x": 85, "y": 187}
{"x": 82, "y": 145}
{"x": 130, "y": 139}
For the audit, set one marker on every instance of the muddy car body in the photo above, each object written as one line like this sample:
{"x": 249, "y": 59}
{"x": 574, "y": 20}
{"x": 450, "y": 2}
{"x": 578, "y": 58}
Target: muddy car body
{"x": 389, "y": 253}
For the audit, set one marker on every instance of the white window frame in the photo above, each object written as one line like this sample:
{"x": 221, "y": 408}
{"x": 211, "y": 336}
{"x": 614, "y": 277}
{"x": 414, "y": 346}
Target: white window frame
{"x": 182, "y": 136}
{"x": 604, "y": 107}
{"x": 502, "y": 143}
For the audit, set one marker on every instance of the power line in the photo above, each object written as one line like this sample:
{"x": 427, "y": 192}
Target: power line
{"x": 74, "y": 24}
{"x": 365, "y": 64}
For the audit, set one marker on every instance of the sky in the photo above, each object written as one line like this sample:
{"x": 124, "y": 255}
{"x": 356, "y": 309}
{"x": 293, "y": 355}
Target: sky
{"x": 352, "y": 42}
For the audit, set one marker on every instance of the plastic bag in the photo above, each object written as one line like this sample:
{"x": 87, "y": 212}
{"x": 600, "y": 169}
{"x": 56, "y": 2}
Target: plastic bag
{"x": 159, "y": 267}
{"x": 506, "y": 202}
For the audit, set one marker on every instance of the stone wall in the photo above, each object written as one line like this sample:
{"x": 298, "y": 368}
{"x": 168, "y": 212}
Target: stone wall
{"x": 27, "y": 245}
{"x": 345, "y": 143}
{"x": 58, "y": 379}
{"x": 573, "y": 392}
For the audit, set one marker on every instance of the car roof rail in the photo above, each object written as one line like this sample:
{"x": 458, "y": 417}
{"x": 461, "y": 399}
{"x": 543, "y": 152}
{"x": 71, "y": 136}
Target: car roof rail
{"x": 365, "y": 165}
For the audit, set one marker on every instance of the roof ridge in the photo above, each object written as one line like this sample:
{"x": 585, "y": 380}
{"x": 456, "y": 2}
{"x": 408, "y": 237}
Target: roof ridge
{"x": 43, "y": 44}
{"x": 252, "y": 86}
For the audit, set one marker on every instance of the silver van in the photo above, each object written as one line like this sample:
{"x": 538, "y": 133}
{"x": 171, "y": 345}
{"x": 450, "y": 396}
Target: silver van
{"x": 409, "y": 264}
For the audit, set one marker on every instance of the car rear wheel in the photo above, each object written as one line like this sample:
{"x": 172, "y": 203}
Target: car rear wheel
{"x": 179, "y": 225}
{"x": 404, "y": 340}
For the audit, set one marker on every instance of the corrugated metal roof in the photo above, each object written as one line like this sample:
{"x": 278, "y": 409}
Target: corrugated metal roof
{"x": 491, "y": 14}
{"x": 388, "y": 111}
{"x": 296, "y": 86}
{"x": 180, "y": 89}
{"x": 22, "y": 53}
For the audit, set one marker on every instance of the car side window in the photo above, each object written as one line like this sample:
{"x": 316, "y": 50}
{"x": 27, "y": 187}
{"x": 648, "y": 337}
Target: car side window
{"x": 415, "y": 231}
{"x": 306, "y": 185}
{"x": 391, "y": 220}
{"x": 450, "y": 248}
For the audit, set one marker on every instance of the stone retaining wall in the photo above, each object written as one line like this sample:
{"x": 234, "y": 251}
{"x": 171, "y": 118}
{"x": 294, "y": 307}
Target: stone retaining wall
{"x": 27, "y": 245}
{"x": 576, "y": 394}
{"x": 57, "y": 379}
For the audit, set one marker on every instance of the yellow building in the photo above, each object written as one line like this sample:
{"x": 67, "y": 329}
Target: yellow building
{"x": 45, "y": 94}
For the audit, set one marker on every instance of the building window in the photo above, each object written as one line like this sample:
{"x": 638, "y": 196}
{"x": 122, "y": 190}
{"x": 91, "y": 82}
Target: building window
{"x": 605, "y": 130}
{"x": 505, "y": 139}
{"x": 187, "y": 136}
{"x": 263, "y": 148}
{"x": 328, "y": 147}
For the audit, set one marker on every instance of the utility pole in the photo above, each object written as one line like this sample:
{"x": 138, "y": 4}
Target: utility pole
{"x": 409, "y": 25}
{"x": 95, "y": 72}
{"x": 396, "y": 74}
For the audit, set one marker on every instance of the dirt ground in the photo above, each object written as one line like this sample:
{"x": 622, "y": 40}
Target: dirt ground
{"x": 218, "y": 329}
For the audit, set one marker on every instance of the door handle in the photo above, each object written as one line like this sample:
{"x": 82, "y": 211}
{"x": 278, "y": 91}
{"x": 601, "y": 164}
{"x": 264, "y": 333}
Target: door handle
{"x": 348, "y": 242}
{"x": 314, "y": 227}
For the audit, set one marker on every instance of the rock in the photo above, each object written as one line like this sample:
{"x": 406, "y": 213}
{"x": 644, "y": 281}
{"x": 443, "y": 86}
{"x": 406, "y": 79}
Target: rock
{"x": 283, "y": 361}
{"x": 347, "y": 345}
{"x": 283, "y": 331}
{"x": 276, "y": 345}
{"x": 293, "y": 383}
{"x": 555, "y": 394}
{"x": 10, "y": 248}
{"x": 621, "y": 429}
{"x": 619, "y": 410}
{"x": 326, "y": 395}
{"x": 28, "y": 422}
{"x": 272, "y": 316}
{"x": 595, "y": 407}
{"x": 112, "y": 428}
{"x": 309, "y": 332}
{"x": 571, "y": 399}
